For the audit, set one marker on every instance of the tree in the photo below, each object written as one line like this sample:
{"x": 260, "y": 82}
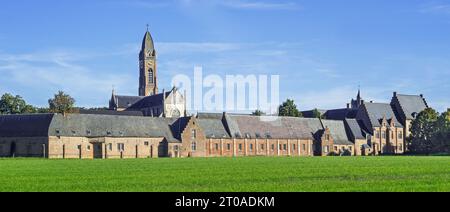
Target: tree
{"x": 258, "y": 113}
{"x": 10, "y": 104}
{"x": 61, "y": 103}
{"x": 317, "y": 114}
{"x": 441, "y": 140}
{"x": 289, "y": 108}
{"x": 423, "y": 131}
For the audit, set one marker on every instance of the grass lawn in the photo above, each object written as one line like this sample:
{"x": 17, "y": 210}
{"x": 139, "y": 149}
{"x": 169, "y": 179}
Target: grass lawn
{"x": 229, "y": 174}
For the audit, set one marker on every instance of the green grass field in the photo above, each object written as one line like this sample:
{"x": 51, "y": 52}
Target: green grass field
{"x": 229, "y": 174}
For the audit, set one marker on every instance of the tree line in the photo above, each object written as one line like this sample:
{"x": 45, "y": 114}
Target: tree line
{"x": 60, "y": 103}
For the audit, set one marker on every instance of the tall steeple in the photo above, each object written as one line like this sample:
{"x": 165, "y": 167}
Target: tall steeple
{"x": 148, "y": 84}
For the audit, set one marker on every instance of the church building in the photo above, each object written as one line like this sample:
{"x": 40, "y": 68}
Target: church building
{"x": 151, "y": 103}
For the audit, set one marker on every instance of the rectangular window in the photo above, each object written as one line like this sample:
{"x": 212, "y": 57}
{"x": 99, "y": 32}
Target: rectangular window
{"x": 383, "y": 135}
{"x": 194, "y": 134}
{"x": 273, "y": 147}
{"x": 400, "y": 135}
{"x": 304, "y": 147}
{"x": 377, "y": 134}
{"x": 88, "y": 147}
{"x": 293, "y": 147}
{"x": 350, "y": 148}
{"x": 121, "y": 147}
{"x": 110, "y": 147}
{"x": 326, "y": 149}
{"x": 228, "y": 147}
{"x": 400, "y": 147}
{"x": 284, "y": 147}
{"x": 251, "y": 147}
{"x": 217, "y": 146}
{"x": 262, "y": 146}
{"x": 336, "y": 148}
{"x": 146, "y": 143}
{"x": 240, "y": 147}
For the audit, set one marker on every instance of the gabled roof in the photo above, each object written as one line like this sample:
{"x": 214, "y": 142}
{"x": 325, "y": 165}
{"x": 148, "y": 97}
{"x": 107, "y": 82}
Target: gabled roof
{"x": 378, "y": 111}
{"x": 108, "y": 126}
{"x": 149, "y": 101}
{"x": 112, "y": 112}
{"x": 242, "y": 126}
{"x": 126, "y": 101}
{"x": 85, "y": 125}
{"x": 411, "y": 105}
{"x": 354, "y": 129}
{"x": 340, "y": 114}
{"x": 337, "y": 131}
{"x": 36, "y": 125}
{"x": 178, "y": 125}
{"x": 212, "y": 125}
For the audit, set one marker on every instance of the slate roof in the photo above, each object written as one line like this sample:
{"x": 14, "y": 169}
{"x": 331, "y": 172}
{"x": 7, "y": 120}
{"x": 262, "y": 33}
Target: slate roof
{"x": 85, "y": 125}
{"x": 310, "y": 113}
{"x": 340, "y": 114}
{"x": 126, "y": 101}
{"x": 354, "y": 129}
{"x": 147, "y": 42}
{"x": 212, "y": 125}
{"x": 411, "y": 104}
{"x": 241, "y": 126}
{"x": 108, "y": 126}
{"x": 149, "y": 101}
{"x": 178, "y": 125}
{"x": 377, "y": 111}
{"x": 337, "y": 131}
{"x": 112, "y": 112}
{"x": 25, "y": 125}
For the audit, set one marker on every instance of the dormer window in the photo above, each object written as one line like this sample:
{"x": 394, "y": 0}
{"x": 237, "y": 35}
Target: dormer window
{"x": 248, "y": 136}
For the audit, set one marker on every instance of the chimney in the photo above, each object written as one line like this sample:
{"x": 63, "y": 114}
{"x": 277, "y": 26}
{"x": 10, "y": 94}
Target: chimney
{"x": 371, "y": 101}
{"x": 421, "y": 95}
{"x": 348, "y": 105}
{"x": 395, "y": 94}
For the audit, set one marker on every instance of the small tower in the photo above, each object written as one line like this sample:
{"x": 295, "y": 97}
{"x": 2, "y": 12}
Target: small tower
{"x": 355, "y": 104}
{"x": 148, "y": 84}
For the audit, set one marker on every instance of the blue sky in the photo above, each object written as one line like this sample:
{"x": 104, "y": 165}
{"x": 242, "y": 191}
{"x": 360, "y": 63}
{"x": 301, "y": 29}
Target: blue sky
{"x": 321, "y": 49}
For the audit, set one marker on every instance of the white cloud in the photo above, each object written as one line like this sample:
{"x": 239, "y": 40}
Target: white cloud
{"x": 46, "y": 73}
{"x": 260, "y": 5}
{"x": 189, "y": 47}
{"x": 235, "y": 4}
{"x": 436, "y": 8}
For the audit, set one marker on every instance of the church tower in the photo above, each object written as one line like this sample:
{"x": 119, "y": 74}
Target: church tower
{"x": 148, "y": 84}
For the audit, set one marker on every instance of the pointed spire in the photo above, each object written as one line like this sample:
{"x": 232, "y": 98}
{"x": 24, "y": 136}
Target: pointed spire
{"x": 147, "y": 42}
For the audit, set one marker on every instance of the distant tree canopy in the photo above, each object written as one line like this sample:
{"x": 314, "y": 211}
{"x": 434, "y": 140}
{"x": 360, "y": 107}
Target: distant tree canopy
{"x": 62, "y": 103}
{"x": 258, "y": 113}
{"x": 317, "y": 113}
{"x": 430, "y": 133}
{"x": 10, "y": 104}
{"x": 289, "y": 108}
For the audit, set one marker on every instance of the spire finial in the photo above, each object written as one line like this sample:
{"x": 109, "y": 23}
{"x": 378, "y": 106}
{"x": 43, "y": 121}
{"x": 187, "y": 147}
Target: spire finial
{"x": 113, "y": 89}
{"x": 148, "y": 27}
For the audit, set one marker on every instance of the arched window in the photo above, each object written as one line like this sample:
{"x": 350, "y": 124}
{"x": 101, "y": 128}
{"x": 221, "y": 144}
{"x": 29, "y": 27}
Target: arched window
{"x": 150, "y": 76}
